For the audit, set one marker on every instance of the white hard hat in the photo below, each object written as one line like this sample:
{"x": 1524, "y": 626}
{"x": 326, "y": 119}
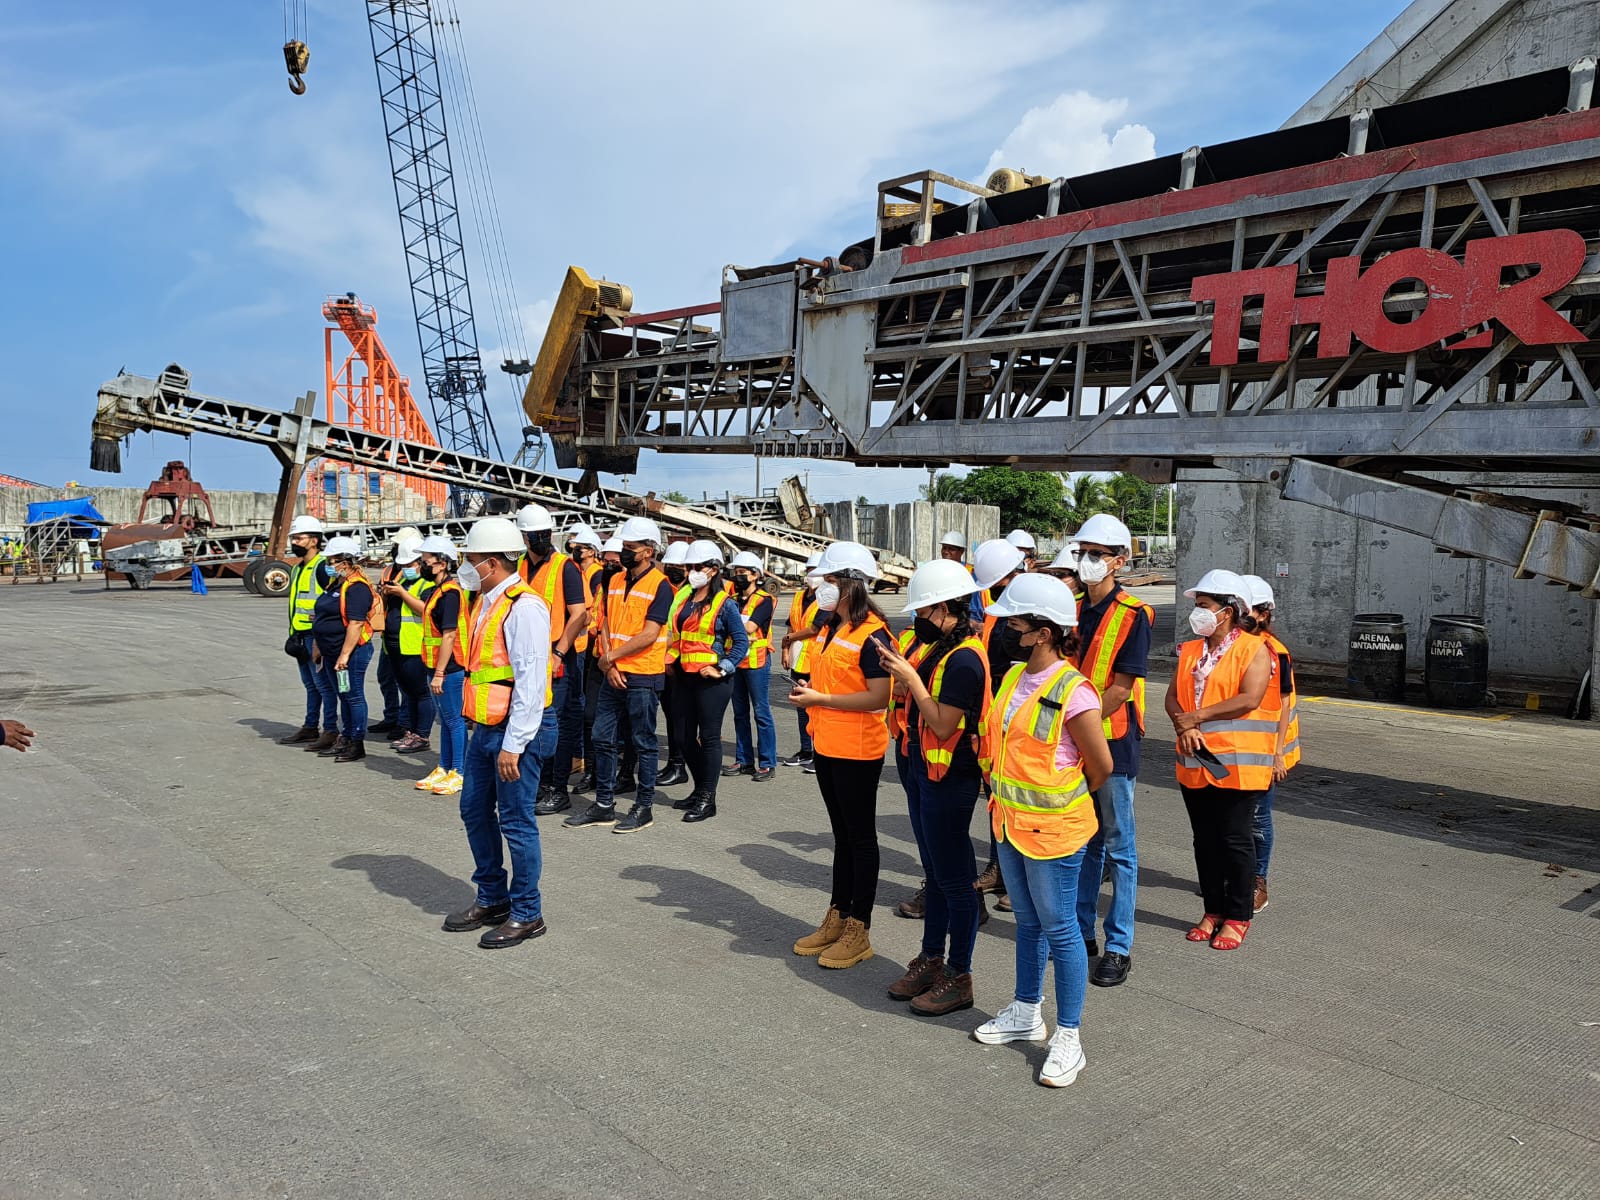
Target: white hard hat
{"x": 1034, "y": 595}
{"x": 677, "y": 554}
{"x": 847, "y": 556}
{"x": 813, "y": 559}
{"x": 993, "y": 561}
{"x": 438, "y": 544}
{"x": 613, "y": 545}
{"x": 583, "y": 535}
{"x": 1221, "y": 583}
{"x": 494, "y": 535}
{"x": 1021, "y": 539}
{"x": 304, "y": 525}
{"x": 1259, "y": 594}
{"x": 745, "y": 559}
{"x": 1105, "y": 530}
{"x": 641, "y": 529}
{"x": 342, "y": 547}
{"x": 408, "y": 551}
{"x": 935, "y": 581}
{"x": 1067, "y": 559}
{"x": 954, "y": 538}
{"x": 406, "y": 534}
{"x": 703, "y": 550}
{"x": 534, "y": 518}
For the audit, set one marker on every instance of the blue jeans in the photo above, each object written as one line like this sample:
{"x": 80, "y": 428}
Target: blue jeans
{"x": 1044, "y": 893}
{"x": 1113, "y": 805}
{"x": 389, "y": 686}
{"x": 493, "y": 809}
{"x": 352, "y": 704}
{"x": 806, "y": 748}
{"x": 941, "y": 816}
{"x": 1263, "y": 831}
{"x": 549, "y": 736}
{"x": 321, "y": 700}
{"x": 569, "y": 742}
{"x": 452, "y": 725}
{"x": 636, "y": 707}
{"x": 752, "y": 688}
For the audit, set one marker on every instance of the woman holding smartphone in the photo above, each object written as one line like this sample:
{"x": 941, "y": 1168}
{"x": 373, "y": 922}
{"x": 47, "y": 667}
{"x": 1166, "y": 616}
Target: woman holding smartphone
{"x": 342, "y": 629}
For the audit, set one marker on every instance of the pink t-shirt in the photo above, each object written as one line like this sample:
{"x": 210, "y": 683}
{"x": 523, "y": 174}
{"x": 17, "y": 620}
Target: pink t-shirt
{"x": 1083, "y": 699}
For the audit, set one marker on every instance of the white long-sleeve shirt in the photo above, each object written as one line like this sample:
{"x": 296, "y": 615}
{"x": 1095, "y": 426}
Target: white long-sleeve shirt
{"x": 527, "y": 634}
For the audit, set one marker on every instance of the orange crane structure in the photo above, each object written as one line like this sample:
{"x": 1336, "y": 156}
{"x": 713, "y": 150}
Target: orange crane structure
{"x": 366, "y": 390}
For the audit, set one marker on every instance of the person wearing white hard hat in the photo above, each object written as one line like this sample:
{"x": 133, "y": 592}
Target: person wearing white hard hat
{"x": 1280, "y": 698}
{"x": 953, "y": 546}
{"x": 634, "y": 660}
{"x": 752, "y": 682}
{"x": 439, "y": 606}
{"x": 706, "y": 641}
{"x": 342, "y": 621}
{"x": 796, "y": 650}
{"x": 611, "y": 550}
{"x": 1023, "y": 540}
{"x": 416, "y": 709}
{"x": 306, "y": 583}
{"x": 995, "y": 564}
{"x": 1047, "y": 753}
{"x": 673, "y": 562}
{"x": 584, "y": 546}
{"x": 556, "y": 580}
{"x": 388, "y": 631}
{"x": 674, "y": 567}
{"x": 946, "y": 701}
{"x": 505, "y": 632}
{"x": 845, "y": 703}
{"x": 1064, "y": 566}
{"x": 1227, "y": 742}
{"x": 1114, "y": 631}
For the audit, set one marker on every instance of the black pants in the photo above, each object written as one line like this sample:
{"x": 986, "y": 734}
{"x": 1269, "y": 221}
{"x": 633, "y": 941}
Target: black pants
{"x": 417, "y": 709}
{"x": 850, "y": 792}
{"x": 677, "y": 720}
{"x": 592, "y": 675}
{"x": 698, "y": 707}
{"x": 1224, "y": 847}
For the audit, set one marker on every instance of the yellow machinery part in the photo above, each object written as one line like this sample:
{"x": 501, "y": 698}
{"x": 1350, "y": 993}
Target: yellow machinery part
{"x": 578, "y": 301}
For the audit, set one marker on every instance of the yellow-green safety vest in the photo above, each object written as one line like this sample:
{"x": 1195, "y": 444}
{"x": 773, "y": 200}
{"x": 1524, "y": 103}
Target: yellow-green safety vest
{"x": 411, "y": 622}
{"x": 303, "y": 592}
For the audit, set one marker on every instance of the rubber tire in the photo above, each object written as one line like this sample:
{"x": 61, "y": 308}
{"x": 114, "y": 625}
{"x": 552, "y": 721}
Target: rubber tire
{"x": 252, "y": 575}
{"x": 274, "y": 578}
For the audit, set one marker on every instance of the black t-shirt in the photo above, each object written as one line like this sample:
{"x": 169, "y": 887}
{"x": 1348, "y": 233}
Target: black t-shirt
{"x": 446, "y": 615}
{"x": 961, "y": 687}
{"x": 761, "y": 615}
{"x": 1134, "y": 659}
{"x": 1005, "y": 648}
{"x": 328, "y": 626}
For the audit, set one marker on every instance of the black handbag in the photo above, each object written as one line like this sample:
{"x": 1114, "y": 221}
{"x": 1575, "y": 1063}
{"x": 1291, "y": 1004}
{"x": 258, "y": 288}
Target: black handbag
{"x": 295, "y": 647}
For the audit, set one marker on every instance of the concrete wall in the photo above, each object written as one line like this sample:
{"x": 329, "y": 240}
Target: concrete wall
{"x": 121, "y": 505}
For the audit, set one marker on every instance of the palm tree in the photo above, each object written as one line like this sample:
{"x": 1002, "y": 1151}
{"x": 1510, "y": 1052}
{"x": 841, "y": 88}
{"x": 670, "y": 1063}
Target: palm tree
{"x": 1087, "y": 496}
{"x": 945, "y": 489}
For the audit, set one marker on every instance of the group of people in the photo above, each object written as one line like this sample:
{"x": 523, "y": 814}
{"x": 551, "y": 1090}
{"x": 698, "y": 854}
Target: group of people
{"x": 1017, "y": 680}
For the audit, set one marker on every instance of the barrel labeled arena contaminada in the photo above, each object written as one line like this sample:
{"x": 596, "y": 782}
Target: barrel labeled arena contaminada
{"x": 1457, "y": 671}
{"x": 1377, "y": 664}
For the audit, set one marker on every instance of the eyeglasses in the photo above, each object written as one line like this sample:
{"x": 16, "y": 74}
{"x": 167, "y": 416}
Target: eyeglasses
{"x": 1096, "y": 555}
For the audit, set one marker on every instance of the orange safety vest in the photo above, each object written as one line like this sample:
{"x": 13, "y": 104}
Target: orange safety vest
{"x": 694, "y": 645}
{"x": 486, "y": 691}
{"x": 591, "y": 572}
{"x": 366, "y": 625}
{"x": 802, "y": 615}
{"x": 938, "y": 754}
{"x": 837, "y": 672}
{"x": 1274, "y": 700}
{"x": 1040, "y": 810}
{"x": 432, "y": 634}
{"x": 913, "y": 652}
{"x": 1245, "y": 744}
{"x": 1097, "y": 658}
{"x": 546, "y": 583}
{"x": 679, "y": 599}
{"x": 626, "y": 607}
{"x": 760, "y": 643}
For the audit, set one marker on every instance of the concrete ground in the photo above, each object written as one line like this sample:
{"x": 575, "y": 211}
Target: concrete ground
{"x": 222, "y": 972}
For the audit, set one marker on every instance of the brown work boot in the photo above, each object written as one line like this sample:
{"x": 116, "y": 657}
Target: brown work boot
{"x": 990, "y": 880}
{"x": 922, "y": 974}
{"x": 325, "y": 742}
{"x": 306, "y": 733}
{"x": 1001, "y": 905}
{"x": 852, "y": 947}
{"x": 915, "y": 908}
{"x": 826, "y": 935}
{"x": 1261, "y": 894}
{"x": 951, "y": 993}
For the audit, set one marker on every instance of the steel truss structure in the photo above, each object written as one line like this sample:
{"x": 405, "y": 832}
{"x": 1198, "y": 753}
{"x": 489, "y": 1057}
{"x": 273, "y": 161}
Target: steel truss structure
{"x": 1069, "y": 325}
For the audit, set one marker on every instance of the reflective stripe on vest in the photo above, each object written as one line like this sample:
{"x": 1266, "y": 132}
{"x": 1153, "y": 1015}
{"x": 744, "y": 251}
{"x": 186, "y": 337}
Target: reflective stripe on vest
{"x": 836, "y": 671}
{"x": 894, "y": 717}
{"x": 1035, "y": 806}
{"x": 411, "y": 622}
{"x": 1275, "y": 699}
{"x": 1246, "y": 745}
{"x": 760, "y": 643}
{"x": 695, "y": 645}
{"x": 806, "y": 612}
{"x": 679, "y": 599}
{"x": 546, "y": 583}
{"x": 433, "y": 633}
{"x": 303, "y": 592}
{"x": 486, "y": 691}
{"x": 1099, "y": 657}
{"x": 366, "y": 625}
{"x": 938, "y": 754}
{"x": 627, "y": 605}
{"x": 591, "y": 572}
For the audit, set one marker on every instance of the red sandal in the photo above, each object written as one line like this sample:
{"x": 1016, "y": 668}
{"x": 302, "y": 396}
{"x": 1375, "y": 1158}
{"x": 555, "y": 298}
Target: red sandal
{"x": 1231, "y": 935}
{"x": 1207, "y": 928}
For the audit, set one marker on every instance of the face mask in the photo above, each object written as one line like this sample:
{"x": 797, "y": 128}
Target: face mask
{"x": 300, "y": 551}
{"x": 630, "y": 558}
{"x": 1092, "y": 570}
{"x": 828, "y": 597}
{"x": 467, "y": 576}
{"x": 743, "y": 582}
{"x": 698, "y": 579}
{"x": 607, "y": 570}
{"x": 409, "y": 574}
{"x": 1203, "y": 621}
{"x": 540, "y": 543}
{"x": 926, "y": 630}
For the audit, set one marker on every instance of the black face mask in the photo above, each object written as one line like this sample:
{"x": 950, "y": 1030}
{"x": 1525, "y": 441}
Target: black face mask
{"x": 540, "y": 544}
{"x": 607, "y": 570}
{"x": 630, "y": 558}
{"x": 300, "y": 551}
{"x": 926, "y": 631}
{"x": 675, "y": 574}
{"x": 744, "y": 582}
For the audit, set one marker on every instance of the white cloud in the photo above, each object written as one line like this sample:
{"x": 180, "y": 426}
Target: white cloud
{"x": 1072, "y": 135}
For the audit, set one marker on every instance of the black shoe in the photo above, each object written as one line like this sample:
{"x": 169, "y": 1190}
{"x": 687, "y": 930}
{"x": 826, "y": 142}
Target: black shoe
{"x": 762, "y": 774}
{"x": 674, "y": 773}
{"x": 584, "y": 783}
{"x": 340, "y": 744}
{"x": 593, "y": 815}
{"x": 689, "y": 801}
{"x": 385, "y": 727}
{"x": 796, "y": 760}
{"x": 704, "y": 809}
{"x": 354, "y": 751}
{"x": 306, "y": 733}
{"x": 475, "y": 916}
{"x": 624, "y": 786}
{"x": 512, "y": 933}
{"x": 1092, "y": 946}
{"x": 638, "y": 817}
{"x": 729, "y": 772}
{"x": 551, "y": 800}
{"x": 1111, "y": 970}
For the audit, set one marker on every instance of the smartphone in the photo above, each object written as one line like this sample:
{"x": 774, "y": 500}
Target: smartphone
{"x": 1212, "y": 764}
{"x": 343, "y": 678}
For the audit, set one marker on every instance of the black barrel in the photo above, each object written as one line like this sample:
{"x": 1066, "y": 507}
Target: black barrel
{"x": 1457, "y": 671}
{"x": 1377, "y": 665}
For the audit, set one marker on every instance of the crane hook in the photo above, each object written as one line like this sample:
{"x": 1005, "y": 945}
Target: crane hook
{"x": 297, "y": 58}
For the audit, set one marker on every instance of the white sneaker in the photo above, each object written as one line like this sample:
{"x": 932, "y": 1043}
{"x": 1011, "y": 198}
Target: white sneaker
{"x": 1016, "y": 1022}
{"x": 1065, "y": 1060}
{"x": 425, "y": 784}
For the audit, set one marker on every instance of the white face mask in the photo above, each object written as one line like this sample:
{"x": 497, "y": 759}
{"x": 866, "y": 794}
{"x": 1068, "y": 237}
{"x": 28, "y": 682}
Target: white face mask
{"x": 467, "y": 576}
{"x": 1203, "y": 621}
{"x": 827, "y": 597}
{"x": 1092, "y": 570}
{"x": 698, "y": 579}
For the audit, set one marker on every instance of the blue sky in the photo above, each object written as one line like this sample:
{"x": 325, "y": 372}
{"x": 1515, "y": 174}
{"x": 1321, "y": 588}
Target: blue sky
{"x": 167, "y": 199}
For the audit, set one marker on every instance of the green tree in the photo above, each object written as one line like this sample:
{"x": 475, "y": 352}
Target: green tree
{"x": 945, "y": 489}
{"x": 1031, "y": 500}
{"x": 675, "y": 497}
{"x": 1086, "y": 498}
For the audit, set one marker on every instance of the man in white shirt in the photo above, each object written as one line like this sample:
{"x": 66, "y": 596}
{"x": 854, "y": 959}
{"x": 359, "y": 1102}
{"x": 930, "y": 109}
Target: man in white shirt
{"x": 505, "y": 643}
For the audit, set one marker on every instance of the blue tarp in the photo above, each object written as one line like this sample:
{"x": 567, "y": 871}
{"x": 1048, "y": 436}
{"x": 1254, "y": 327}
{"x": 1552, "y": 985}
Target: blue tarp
{"x": 83, "y": 507}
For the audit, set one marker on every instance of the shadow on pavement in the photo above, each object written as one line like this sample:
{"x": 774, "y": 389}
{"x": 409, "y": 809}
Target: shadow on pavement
{"x": 271, "y": 730}
{"x": 412, "y": 880}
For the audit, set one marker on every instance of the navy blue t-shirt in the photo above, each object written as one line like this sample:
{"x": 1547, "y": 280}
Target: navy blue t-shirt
{"x": 1133, "y": 660}
{"x": 961, "y": 687}
{"x": 447, "y": 615}
{"x": 328, "y": 627}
